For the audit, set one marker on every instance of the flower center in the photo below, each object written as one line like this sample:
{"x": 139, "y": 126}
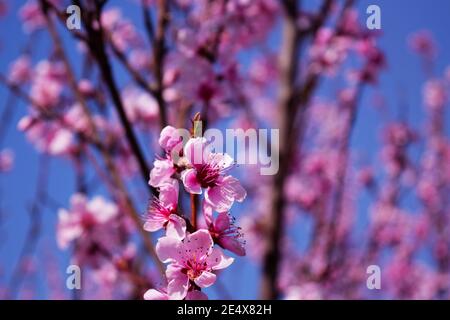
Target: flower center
{"x": 208, "y": 174}
{"x": 193, "y": 274}
{"x": 88, "y": 221}
{"x": 195, "y": 267}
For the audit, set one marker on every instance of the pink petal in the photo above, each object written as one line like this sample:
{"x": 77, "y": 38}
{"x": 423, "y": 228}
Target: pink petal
{"x": 152, "y": 225}
{"x": 168, "y": 193}
{"x": 234, "y": 187}
{"x": 190, "y": 181}
{"x": 218, "y": 198}
{"x": 233, "y": 245}
{"x": 205, "y": 280}
{"x": 222, "y": 222}
{"x": 166, "y": 137}
{"x": 207, "y": 213}
{"x": 174, "y": 271}
{"x": 161, "y": 172}
{"x": 176, "y": 228}
{"x": 217, "y": 260}
{"x": 222, "y": 159}
{"x": 168, "y": 249}
{"x": 153, "y": 294}
{"x": 196, "y": 151}
{"x": 198, "y": 243}
{"x": 178, "y": 287}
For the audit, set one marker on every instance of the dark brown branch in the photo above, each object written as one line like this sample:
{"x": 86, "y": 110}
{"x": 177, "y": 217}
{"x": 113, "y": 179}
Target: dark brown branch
{"x": 288, "y": 64}
{"x": 97, "y": 48}
{"x": 159, "y": 52}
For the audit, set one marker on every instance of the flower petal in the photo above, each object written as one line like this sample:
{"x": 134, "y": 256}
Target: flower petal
{"x": 168, "y": 193}
{"x": 153, "y": 294}
{"x": 234, "y": 186}
{"x": 198, "y": 243}
{"x": 178, "y": 287}
{"x": 205, "y": 280}
{"x": 218, "y": 198}
{"x": 152, "y": 225}
{"x": 196, "y": 151}
{"x": 161, "y": 172}
{"x": 169, "y": 249}
{"x": 222, "y": 222}
{"x": 190, "y": 181}
{"x": 217, "y": 260}
{"x": 232, "y": 244}
{"x": 207, "y": 213}
{"x": 176, "y": 228}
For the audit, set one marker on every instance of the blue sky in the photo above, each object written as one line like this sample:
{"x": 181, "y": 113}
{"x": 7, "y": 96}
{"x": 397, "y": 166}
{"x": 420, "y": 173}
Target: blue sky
{"x": 404, "y": 74}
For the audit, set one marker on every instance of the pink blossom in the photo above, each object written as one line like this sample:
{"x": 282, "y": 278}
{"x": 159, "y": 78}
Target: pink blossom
{"x": 328, "y": 51}
{"x": 140, "y": 106}
{"x": 6, "y": 160}
{"x": 162, "y": 212}
{"x": 47, "y": 137}
{"x": 140, "y": 59}
{"x": 434, "y": 95}
{"x": 47, "y": 83}
{"x": 20, "y": 70}
{"x": 207, "y": 170}
{"x": 76, "y": 119}
{"x": 422, "y": 42}
{"x": 83, "y": 217}
{"x": 86, "y": 87}
{"x": 162, "y": 172}
{"x": 31, "y": 15}
{"x": 121, "y": 31}
{"x": 191, "y": 261}
{"x": 224, "y": 232}
{"x": 169, "y": 138}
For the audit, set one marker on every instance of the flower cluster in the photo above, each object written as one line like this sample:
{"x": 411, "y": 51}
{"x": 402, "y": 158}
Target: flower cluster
{"x": 193, "y": 254}
{"x": 99, "y": 236}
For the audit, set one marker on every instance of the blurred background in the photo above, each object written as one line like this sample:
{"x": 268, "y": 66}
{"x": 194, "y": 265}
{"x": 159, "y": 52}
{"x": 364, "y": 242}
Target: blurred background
{"x": 34, "y": 185}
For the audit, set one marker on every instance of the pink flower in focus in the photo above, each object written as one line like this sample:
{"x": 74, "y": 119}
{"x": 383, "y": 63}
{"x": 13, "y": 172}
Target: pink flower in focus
{"x": 207, "y": 170}
{"x": 169, "y": 138}
{"x": 163, "y": 212}
{"x": 223, "y": 231}
{"x": 161, "y": 173}
{"x": 192, "y": 261}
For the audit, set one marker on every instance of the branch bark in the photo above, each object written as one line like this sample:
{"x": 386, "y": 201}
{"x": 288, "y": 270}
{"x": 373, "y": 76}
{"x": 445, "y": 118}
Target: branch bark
{"x": 288, "y": 65}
